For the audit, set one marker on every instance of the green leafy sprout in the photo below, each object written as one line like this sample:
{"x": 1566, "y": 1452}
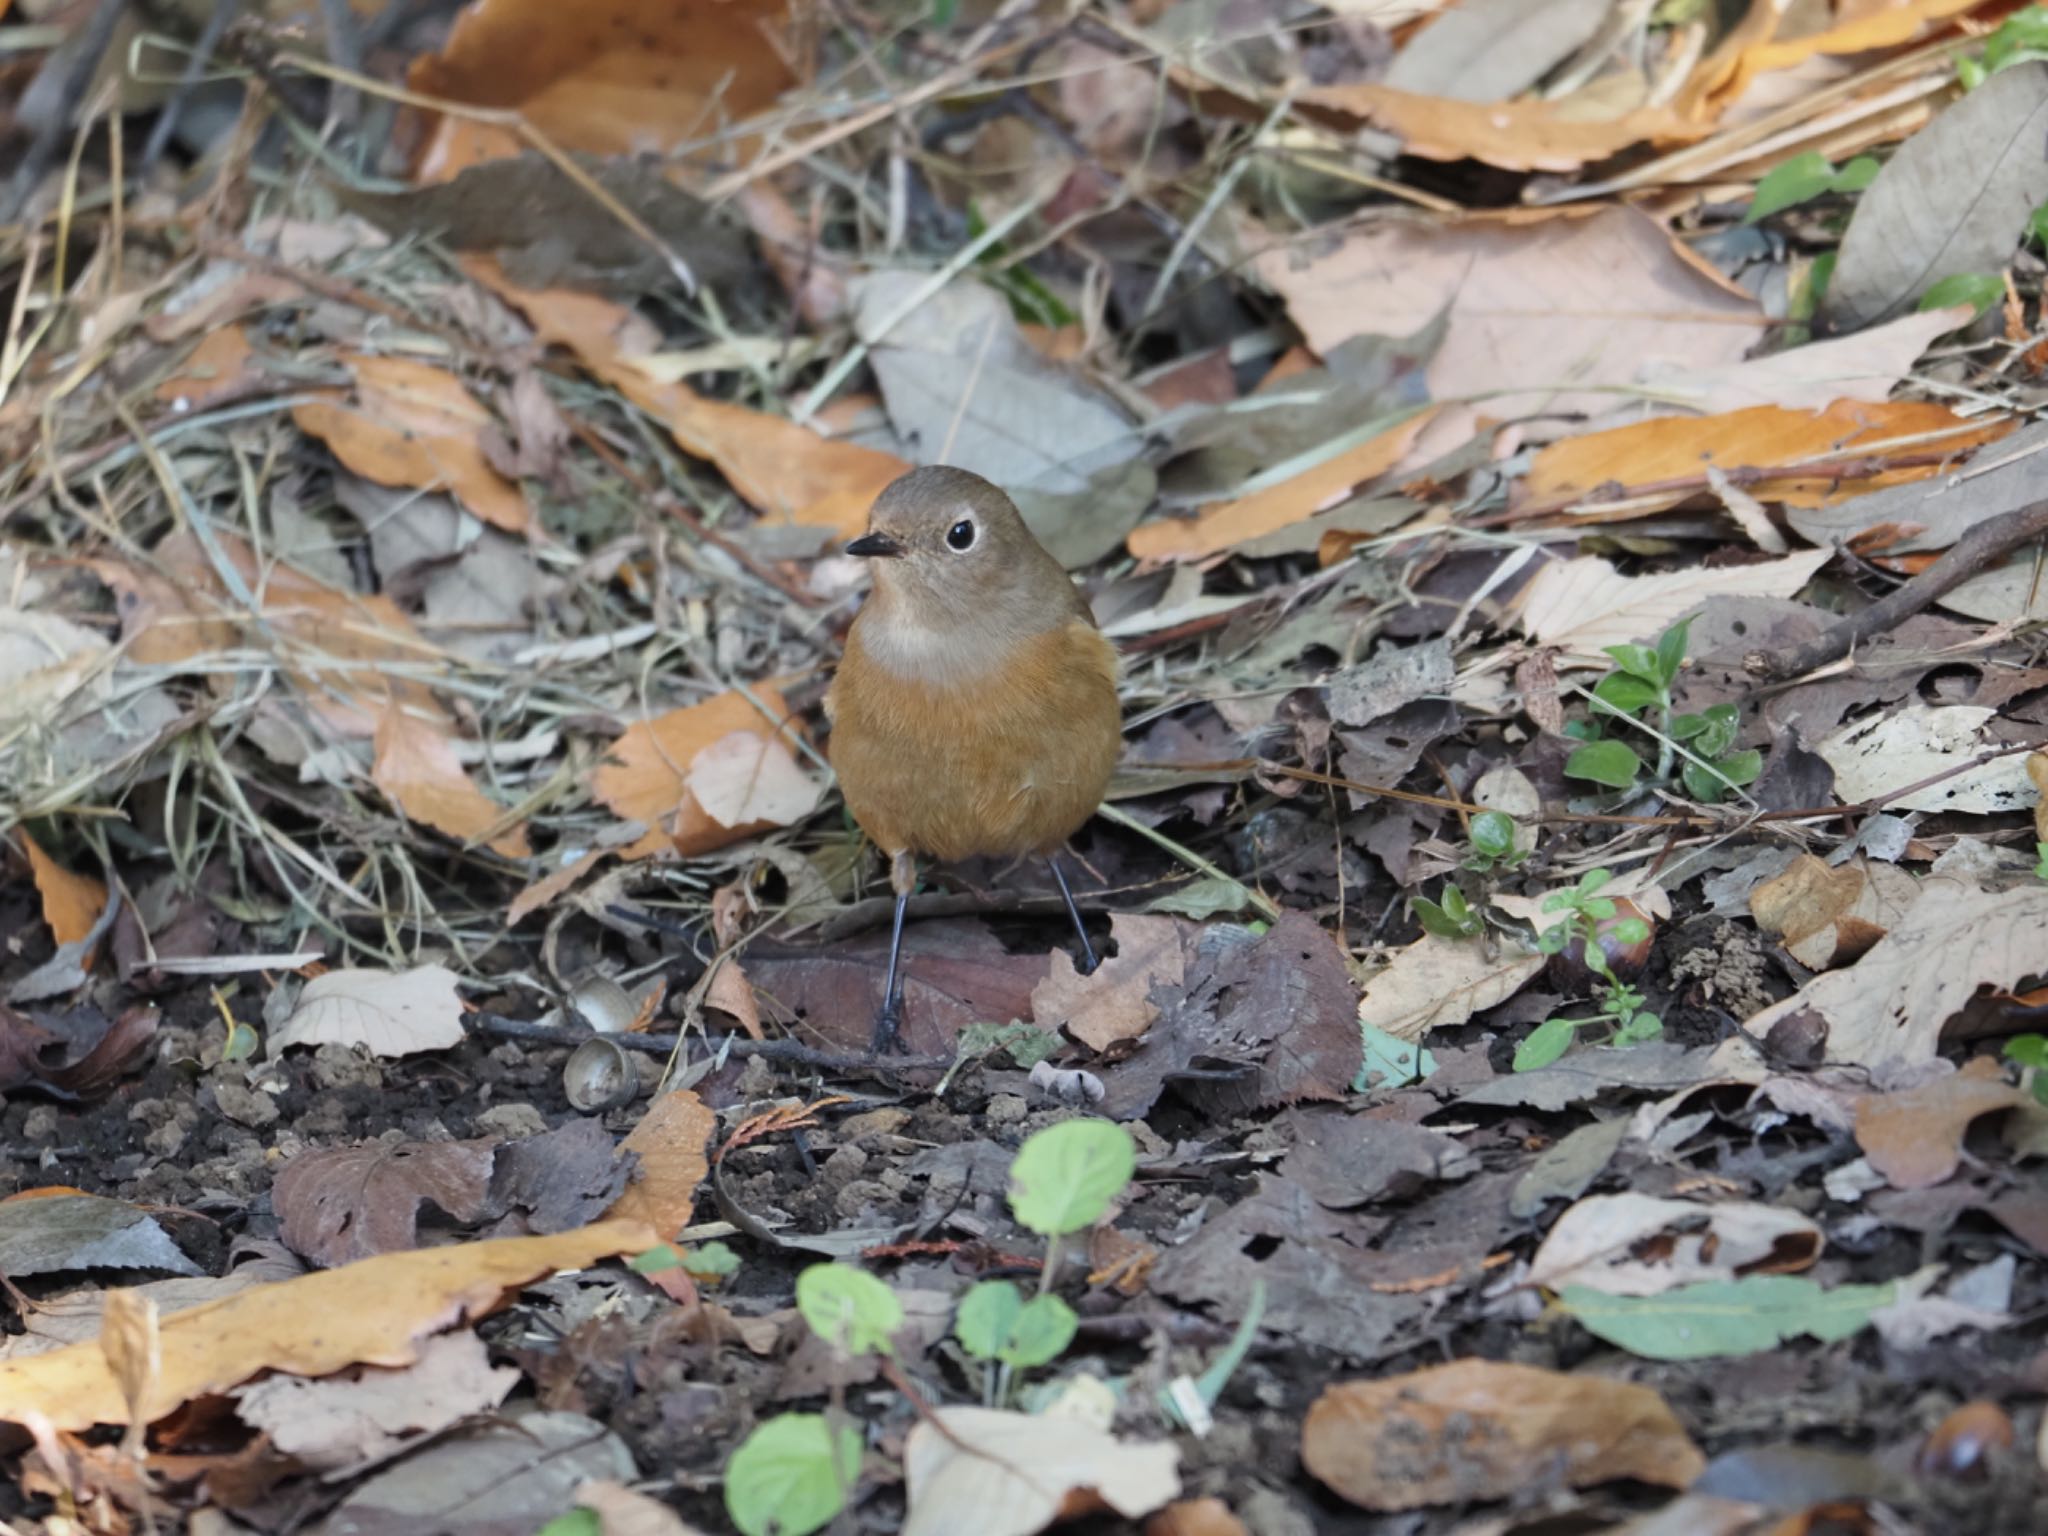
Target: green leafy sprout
{"x": 1452, "y": 915}
{"x": 2020, "y": 38}
{"x": 1638, "y": 691}
{"x": 1805, "y": 177}
{"x": 1620, "y": 1012}
{"x": 2031, "y": 1052}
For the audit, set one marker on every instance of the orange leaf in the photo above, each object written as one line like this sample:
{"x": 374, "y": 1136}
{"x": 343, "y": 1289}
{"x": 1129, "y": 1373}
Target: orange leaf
{"x": 221, "y": 362}
{"x": 1526, "y": 135}
{"x": 612, "y": 77}
{"x": 645, "y": 775}
{"x": 335, "y": 645}
{"x": 369, "y": 1313}
{"x": 1658, "y": 464}
{"x": 413, "y": 425}
{"x": 71, "y": 903}
{"x": 417, "y": 768}
{"x": 784, "y": 470}
{"x": 1899, "y": 21}
{"x": 1227, "y": 524}
{"x": 669, "y": 1141}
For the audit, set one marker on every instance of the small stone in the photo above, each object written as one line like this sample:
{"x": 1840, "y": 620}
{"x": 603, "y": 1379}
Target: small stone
{"x": 244, "y": 1105}
{"x": 511, "y": 1121}
{"x": 343, "y": 1066}
{"x": 1007, "y": 1109}
{"x": 844, "y": 1166}
{"x": 40, "y": 1124}
{"x": 874, "y": 1122}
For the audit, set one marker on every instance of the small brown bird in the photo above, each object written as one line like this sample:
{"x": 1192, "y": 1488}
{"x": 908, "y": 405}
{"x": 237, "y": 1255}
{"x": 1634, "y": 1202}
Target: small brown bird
{"x": 975, "y": 709}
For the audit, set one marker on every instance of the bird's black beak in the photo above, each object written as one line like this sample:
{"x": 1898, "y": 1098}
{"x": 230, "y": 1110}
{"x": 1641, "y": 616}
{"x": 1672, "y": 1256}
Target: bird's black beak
{"x": 875, "y": 546}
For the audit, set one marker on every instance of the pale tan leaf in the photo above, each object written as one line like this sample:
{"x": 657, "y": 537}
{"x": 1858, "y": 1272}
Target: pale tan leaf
{"x": 1889, "y": 751}
{"x": 1583, "y": 605}
{"x": 1018, "y": 1472}
{"x": 1435, "y": 983}
{"x": 387, "y": 1013}
{"x": 1639, "y": 1245}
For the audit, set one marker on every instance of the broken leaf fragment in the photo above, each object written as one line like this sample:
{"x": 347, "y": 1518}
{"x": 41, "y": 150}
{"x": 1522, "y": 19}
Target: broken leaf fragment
{"x": 1482, "y": 1429}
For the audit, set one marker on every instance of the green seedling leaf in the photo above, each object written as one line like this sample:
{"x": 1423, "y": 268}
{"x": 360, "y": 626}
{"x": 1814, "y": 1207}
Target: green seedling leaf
{"x": 711, "y": 1261}
{"x": 1612, "y": 763}
{"x": 1671, "y": 652}
{"x": 1685, "y": 727}
{"x": 849, "y": 1308}
{"x": 1390, "y": 1060}
{"x": 1725, "y": 1317}
{"x": 1493, "y": 834}
{"x": 1025, "y": 1045}
{"x": 2041, "y": 857}
{"x": 1544, "y": 1044}
{"x": 1626, "y": 692}
{"x": 577, "y": 1522}
{"x": 1593, "y": 880}
{"x": 1740, "y": 768}
{"x": 1041, "y": 1334}
{"x": 1790, "y": 183}
{"x": 1858, "y": 174}
{"x": 1980, "y": 290}
{"x": 988, "y": 1315}
{"x": 1066, "y": 1175}
{"x": 655, "y": 1260}
{"x": 781, "y": 1481}
{"x": 2028, "y": 1051}
{"x": 1210, "y": 1384}
{"x": 1637, "y": 661}
{"x": 1200, "y": 900}
{"x": 1453, "y": 918}
{"x": 1644, "y": 1026}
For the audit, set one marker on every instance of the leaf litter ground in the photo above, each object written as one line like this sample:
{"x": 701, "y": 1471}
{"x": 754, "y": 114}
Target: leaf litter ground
{"x": 417, "y": 601}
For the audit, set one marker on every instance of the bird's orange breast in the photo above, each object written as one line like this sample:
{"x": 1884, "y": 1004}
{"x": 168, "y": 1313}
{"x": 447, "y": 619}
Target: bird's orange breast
{"x": 1007, "y": 762}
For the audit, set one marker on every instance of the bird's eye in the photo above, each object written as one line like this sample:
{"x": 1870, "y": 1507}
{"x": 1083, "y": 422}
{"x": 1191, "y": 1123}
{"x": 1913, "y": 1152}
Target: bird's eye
{"x": 960, "y": 537}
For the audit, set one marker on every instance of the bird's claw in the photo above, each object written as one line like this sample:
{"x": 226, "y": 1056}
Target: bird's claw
{"x": 888, "y": 1036}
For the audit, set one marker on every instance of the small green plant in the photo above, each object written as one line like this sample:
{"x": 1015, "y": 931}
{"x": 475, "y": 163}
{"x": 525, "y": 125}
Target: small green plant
{"x": 784, "y": 1478}
{"x": 2031, "y": 1052}
{"x": 2041, "y": 861}
{"x": 2021, "y": 37}
{"x": 1979, "y": 290}
{"x": 1450, "y": 918}
{"x": 995, "y": 1323}
{"x": 1065, "y": 1176}
{"x": 1804, "y": 178}
{"x": 1590, "y": 919}
{"x": 1639, "y": 691}
{"x": 1493, "y": 843}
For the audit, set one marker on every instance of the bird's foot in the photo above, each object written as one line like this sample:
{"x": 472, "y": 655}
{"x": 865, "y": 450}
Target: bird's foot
{"x": 888, "y": 1036}
{"x": 1087, "y": 964}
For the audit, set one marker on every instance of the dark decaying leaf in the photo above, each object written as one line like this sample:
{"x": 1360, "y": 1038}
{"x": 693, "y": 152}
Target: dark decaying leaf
{"x": 350, "y": 1203}
{"x": 565, "y": 1178}
{"x": 954, "y": 974}
{"x": 1317, "y": 1276}
{"x": 1348, "y": 1160}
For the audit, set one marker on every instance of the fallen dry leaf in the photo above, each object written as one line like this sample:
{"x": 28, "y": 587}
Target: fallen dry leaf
{"x": 1914, "y": 1136}
{"x": 72, "y": 903}
{"x": 1639, "y": 1245}
{"x": 348, "y": 653}
{"x": 1544, "y": 313}
{"x": 1897, "y": 748}
{"x": 1583, "y": 605}
{"x": 646, "y": 774}
{"x": 221, "y": 365}
{"x": 1887, "y": 1010}
{"x": 746, "y": 779}
{"x": 341, "y": 1204}
{"x": 998, "y": 1473}
{"x": 370, "y": 1414}
{"x": 387, "y": 1013}
{"x": 1802, "y": 458}
{"x": 1828, "y": 916}
{"x": 407, "y": 423}
{"x": 612, "y": 77}
{"x": 1225, "y": 525}
{"x": 1115, "y": 1002}
{"x": 373, "y": 1313}
{"x": 417, "y": 767}
{"x": 1481, "y": 1429}
{"x": 669, "y": 1142}
{"x": 1436, "y": 983}
{"x": 785, "y": 471}
{"x": 1195, "y": 1517}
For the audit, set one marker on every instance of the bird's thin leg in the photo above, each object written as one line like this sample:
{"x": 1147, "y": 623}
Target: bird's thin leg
{"x": 889, "y": 1022}
{"x": 1088, "y": 960}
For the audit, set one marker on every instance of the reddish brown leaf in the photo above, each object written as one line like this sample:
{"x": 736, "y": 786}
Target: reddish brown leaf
{"x": 1915, "y": 1137}
{"x": 352, "y": 1203}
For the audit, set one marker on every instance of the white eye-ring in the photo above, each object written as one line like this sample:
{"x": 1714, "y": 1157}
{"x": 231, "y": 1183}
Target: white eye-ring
{"x": 960, "y": 537}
